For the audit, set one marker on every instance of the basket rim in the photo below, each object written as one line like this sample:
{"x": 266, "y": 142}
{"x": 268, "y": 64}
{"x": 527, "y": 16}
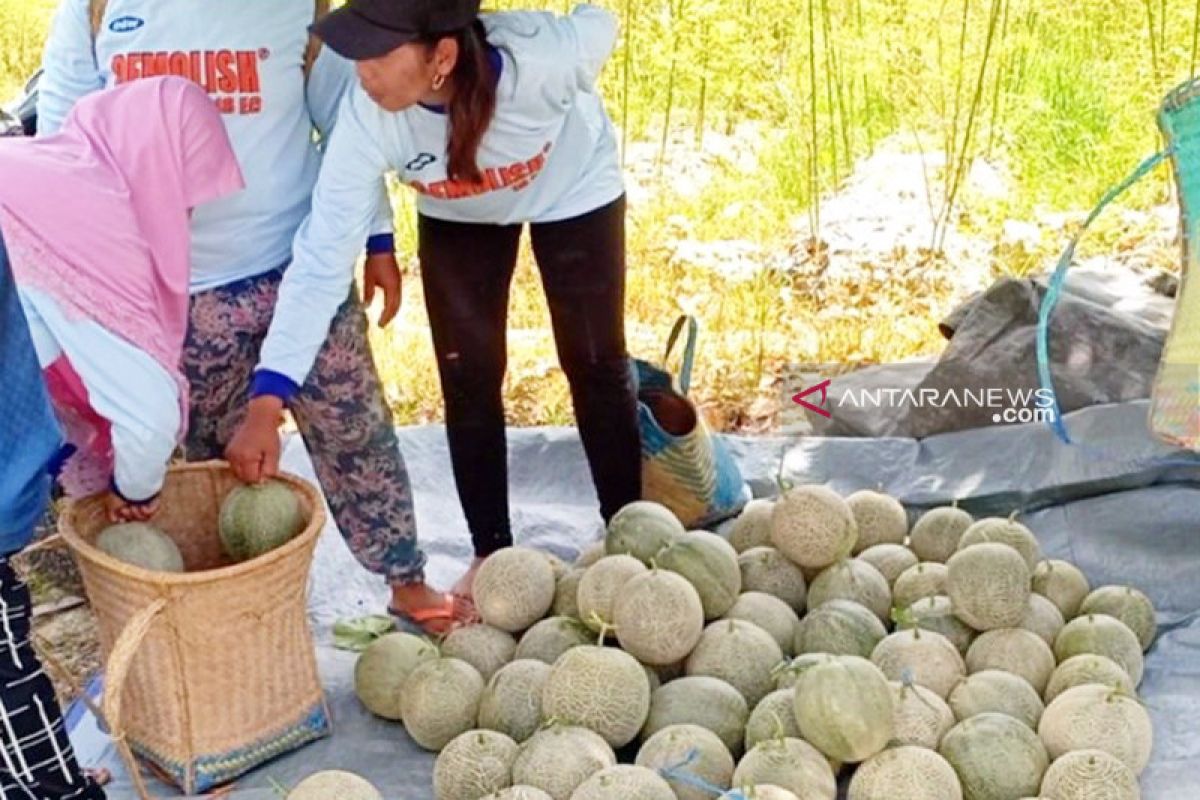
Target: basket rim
{"x": 299, "y": 542}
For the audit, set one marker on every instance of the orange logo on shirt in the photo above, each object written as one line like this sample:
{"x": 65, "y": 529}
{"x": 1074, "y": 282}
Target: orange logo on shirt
{"x": 231, "y": 76}
{"x": 515, "y": 176}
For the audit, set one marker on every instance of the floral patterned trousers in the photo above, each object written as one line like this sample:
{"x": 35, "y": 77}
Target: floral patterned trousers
{"x": 340, "y": 411}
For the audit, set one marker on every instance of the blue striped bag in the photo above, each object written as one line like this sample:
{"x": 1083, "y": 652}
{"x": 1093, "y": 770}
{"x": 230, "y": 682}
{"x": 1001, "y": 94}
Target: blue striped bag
{"x": 684, "y": 466}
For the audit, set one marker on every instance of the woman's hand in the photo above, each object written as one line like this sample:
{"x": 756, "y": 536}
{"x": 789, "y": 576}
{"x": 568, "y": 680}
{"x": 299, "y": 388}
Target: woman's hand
{"x": 383, "y": 272}
{"x": 120, "y": 510}
{"x": 254, "y": 450}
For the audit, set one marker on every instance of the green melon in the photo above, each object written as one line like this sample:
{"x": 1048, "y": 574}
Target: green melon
{"x": 1104, "y": 636}
{"x": 624, "y": 782}
{"x": 1013, "y": 650}
{"x": 511, "y": 702}
{"x": 1127, "y": 605}
{"x": 937, "y": 614}
{"x": 996, "y": 757}
{"x": 550, "y": 638}
{"x": 519, "y": 793}
{"x": 514, "y": 588}
{"x": 141, "y": 545}
{"x": 440, "y": 701}
{"x": 936, "y": 535}
{"x": 813, "y": 526}
{"x": 927, "y": 579}
{"x": 773, "y": 718}
{"x": 852, "y": 579}
{"x": 659, "y": 618}
{"x": 769, "y": 613}
{"x": 890, "y": 559}
{"x": 880, "y": 519}
{"x": 788, "y": 673}
{"x": 844, "y": 708}
{"x": 383, "y": 668}
{"x": 1063, "y": 584}
{"x": 791, "y": 764}
{"x": 257, "y": 518}
{"x": 997, "y": 692}
{"x": 485, "y": 648}
{"x": 709, "y": 703}
{"x": 566, "y": 593}
{"x": 1090, "y": 775}
{"x": 641, "y": 529}
{"x": 1095, "y": 717}
{"x": 558, "y": 759}
{"x": 1087, "y": 668}
{"x": 929, "y": 658}
{"x": 472, "y": 765}
{"x": 766, "y": 570}
{"x": 708, "y": 563}
{"x": 752, "y": 528}
{"x": 1004, "y": 531}
{"x": 839, "y": 627}
{"x": 905, "y": 773}
{"x": 599, "y": 688}
{"x": 706, "y": 756}
{"x": 989, "y": 586}
{"x": 334, "y": 783}
{"x": 1043, "y": 618}
{"x": 740, "y": 653}
{"x": 600, "y": 586}
{"x": 921, "y": 717}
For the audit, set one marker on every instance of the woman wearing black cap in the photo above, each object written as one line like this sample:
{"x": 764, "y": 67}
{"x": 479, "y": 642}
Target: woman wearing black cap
{"x": 494, "y": 120}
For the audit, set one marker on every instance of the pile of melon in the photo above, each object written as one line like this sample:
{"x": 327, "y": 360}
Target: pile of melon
{"x": 823, "y": 639}
{"x": 254, "y": 519}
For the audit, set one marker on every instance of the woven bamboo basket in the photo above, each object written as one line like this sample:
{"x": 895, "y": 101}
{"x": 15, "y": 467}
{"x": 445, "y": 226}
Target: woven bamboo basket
{"x": 211, "y": 672}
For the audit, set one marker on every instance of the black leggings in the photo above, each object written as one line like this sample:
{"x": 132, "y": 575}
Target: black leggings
{"x": 466, "y": 270}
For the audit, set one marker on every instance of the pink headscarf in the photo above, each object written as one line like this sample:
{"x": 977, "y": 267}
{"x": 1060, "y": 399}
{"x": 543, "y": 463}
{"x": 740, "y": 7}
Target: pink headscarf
{"x": 97, "y": 217}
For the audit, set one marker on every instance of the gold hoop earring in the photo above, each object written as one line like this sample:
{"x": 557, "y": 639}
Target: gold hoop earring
{"x": 439, "y": 80}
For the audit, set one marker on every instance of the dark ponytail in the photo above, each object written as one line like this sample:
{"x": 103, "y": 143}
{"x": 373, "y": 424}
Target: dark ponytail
{"x": 473, "y": 103}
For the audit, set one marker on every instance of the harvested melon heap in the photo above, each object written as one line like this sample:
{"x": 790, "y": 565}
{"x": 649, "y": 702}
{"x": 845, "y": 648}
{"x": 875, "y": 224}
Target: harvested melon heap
{"x": 827, "y": 639}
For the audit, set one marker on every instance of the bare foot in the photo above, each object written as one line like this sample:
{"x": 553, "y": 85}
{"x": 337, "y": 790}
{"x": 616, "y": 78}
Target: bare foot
{"x": 437, "y": 613}
{"x": 463, "y": 589}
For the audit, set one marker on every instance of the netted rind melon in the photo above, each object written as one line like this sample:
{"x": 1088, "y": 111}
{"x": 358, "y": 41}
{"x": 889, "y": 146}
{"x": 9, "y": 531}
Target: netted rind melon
{"x": 1127, "y": 605}
{"x": 1087, "y": 668}
{"x": 624, "y": 782}
{"x": 773, "y": 718}
{"x": 936, "y": 534}
{"x": 599, "y": 688}
{"x": 905, "y": 773}
{"x": 257, "y": 518}
{"x": 927, "y": 579}
{"x": 739, "y": 653}
{"x": 1043, "y": 618}
{"x": 1095, "y": 717}
{"x": 791, "y": 764}
{"x": 590, "y": 555}
{"x": 485, "y": 648}
{"x": 710, "y": 564}
{"x": 996, "y": 692}
{"x": 890, "y": 559}
{"x": 1004, "y": 531}
{"x": 988, "y": 585}
{"x": 558, "y": 759}
{"x": 383, "y": 668}
{"x": 334, "y": 783}
{"x": 141, "y": 545}
{"x": 879, "y": 518}
{"x": 550, "y": 638}
{"x": 752, "y": 528}
{"x": 921, "y": 717}
{"x": 840, "y": 627}
{"x": 659, "y": 617}
{"x": 813, "y": 526}
{"x": 512, "y": 700}
{"x": 557, "y": 565}
{"x": 566, "y": 593}
{"x": 844, "y": 708}
{"x": 996, "y": 757}
{"x": 937, "y": 614}
{"x": 769, "y": 613}
{"x": 600, "y": 586}
{"x": 641, "y": 529}
{"x": 1090, "y": 775}
{"x": 761, "y": 791}
{"x": 710, "y": 703}
{"x": 519, "y": 793}
{"x": 766, "y": 570}
{"x": 852, "y": 579}
{"x": 441, "y": 701}
{"x": 929, "y": 658}
{"x": 514, "y": 588}
{"x": 1105, "y": 636}
{"x": 1013, "y": 650}
{"x": 1063, "y": 584}
{"x": 706, "y": 758}
{"x": 474, "y": 764}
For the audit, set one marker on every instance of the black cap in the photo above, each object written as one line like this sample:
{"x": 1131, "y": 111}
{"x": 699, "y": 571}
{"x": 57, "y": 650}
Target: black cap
{"x": 363, "y": 29}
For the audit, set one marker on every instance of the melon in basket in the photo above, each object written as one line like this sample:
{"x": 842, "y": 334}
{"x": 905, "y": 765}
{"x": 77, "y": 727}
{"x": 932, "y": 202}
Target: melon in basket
{"x": 332, "y": 784}
{"x": 257, "y": 518}
{"x": 142, "y": 546}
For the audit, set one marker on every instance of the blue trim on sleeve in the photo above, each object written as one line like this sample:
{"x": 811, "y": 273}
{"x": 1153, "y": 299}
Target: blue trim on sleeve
{"x": 269, "y": 382}
{"x": 381, "y": 243}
